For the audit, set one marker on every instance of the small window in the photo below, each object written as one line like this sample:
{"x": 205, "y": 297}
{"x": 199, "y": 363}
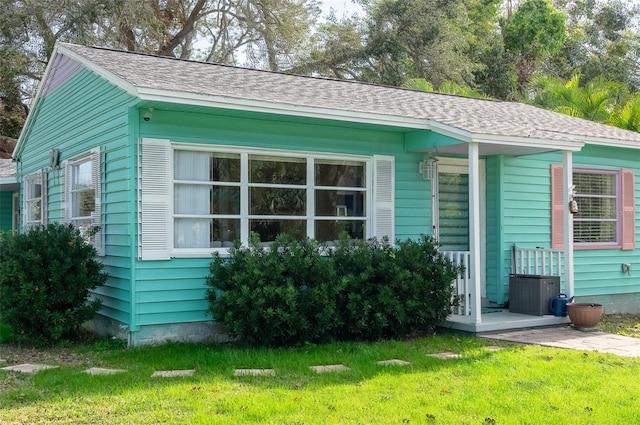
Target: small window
{"x": 597, "y": 196}
{"x": 34, "y": 199}
{"x": 82, "y": 196}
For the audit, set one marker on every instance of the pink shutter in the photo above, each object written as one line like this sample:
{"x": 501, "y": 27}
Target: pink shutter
{"x": 628, "y": 217}
{"x": 557, "y": 208}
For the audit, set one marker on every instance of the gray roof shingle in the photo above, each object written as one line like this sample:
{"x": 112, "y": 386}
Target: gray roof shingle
{"x": 475, "y": 116}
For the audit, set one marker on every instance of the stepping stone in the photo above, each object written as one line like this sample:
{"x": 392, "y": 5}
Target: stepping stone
{"x": 254, "y": 372}
{"x": 28, "y": 368}
{"x": 103, "y": 371}
{"x": 446, "y": 355}
{"x": 329, "y": 368}
{"x": 172, "y": 373}
{"x": 493, "y": 348}
{"x": 393, "y": 362}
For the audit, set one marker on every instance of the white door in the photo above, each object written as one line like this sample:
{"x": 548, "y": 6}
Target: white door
{"x": 451, "y": 208}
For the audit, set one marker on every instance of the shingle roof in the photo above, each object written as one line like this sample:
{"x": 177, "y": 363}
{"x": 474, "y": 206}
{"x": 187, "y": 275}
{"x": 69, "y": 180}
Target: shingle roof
{"x": 7, "y": 168}
{"x": 475, "y": 116}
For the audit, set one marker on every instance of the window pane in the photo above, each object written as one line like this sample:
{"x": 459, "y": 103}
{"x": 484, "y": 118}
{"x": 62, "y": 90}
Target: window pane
{"x": 277, "y": 201}
{"x": 340, "y": 173}
{"x": 205, "y": 233}
{"x": 205, "y": 166}
{"x": 224, "y": 232}
{"x": 340, "y": 203}
{"x": 34, "y": 210}
{"x": 275, "y": 170}
{"x": 82, "y": 176}
{"x": 596, "y": 208}
{"x": 595, "y": 184}
{"x": 330, "y": 229}
{"x": 205, "y": 200}
{"x": 83, "y": 203}
{"x": 269, "y": 229}
{"x": 594, "y": 231}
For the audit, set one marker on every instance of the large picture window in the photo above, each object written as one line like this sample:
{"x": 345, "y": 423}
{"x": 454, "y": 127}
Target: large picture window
{"x": 219, "y": 197}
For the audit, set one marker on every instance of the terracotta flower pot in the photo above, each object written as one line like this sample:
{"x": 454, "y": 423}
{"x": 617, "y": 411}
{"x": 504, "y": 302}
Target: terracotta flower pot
{"x": 585, "y": 315}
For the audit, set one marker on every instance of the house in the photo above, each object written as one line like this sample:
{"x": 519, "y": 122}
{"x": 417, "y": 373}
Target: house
{"x": 175, "y": 159}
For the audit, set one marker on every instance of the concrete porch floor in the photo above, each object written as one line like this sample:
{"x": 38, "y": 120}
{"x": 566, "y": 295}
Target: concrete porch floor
{"x": 500, "y": 321}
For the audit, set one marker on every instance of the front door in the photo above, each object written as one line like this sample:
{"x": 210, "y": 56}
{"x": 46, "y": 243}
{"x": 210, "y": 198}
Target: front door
{"x": 451, "y": 208}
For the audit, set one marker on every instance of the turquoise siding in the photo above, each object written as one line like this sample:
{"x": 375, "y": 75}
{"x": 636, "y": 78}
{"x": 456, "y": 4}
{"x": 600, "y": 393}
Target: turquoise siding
{"x": 493, "y": 168}
{"x": 527, "y": 218}
{"x": 6, "y": 201}
{"x": 87, "y": 111}
{"x": 173, "y": 291}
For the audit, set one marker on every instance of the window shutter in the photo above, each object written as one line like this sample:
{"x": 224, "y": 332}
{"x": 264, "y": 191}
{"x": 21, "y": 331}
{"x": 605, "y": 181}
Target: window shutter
{"x": 156, "y": 199}
{"x": 44, "y": 197}
{"x": 96, "y": 215}
{"x": 557, "y": 208}
{"x": 628, "y": 218}
{"x": 66, "y": 188}
{"x": 383, "y": 197}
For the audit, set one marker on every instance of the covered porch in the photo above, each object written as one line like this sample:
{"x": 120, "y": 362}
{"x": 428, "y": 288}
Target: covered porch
{"x": 472, "y": 312}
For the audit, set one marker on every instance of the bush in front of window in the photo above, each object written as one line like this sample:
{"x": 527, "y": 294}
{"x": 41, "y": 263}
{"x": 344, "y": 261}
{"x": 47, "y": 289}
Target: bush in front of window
{"x": 300, "y": 291}
{"x": 281, "y": 296}
{"x": 392, "y": 291}
{"x": 45, "y": 278}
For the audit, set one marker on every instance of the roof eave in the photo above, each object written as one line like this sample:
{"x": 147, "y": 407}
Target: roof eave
{"x": 167, "y": 96}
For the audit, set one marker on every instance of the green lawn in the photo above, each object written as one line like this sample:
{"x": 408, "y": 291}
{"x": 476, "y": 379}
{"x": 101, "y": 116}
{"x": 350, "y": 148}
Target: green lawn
{"x": 516, "y": 385}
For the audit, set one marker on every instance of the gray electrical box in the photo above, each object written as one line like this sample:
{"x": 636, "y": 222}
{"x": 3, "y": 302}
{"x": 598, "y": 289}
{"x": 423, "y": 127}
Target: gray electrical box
{"x": 530, "y": 294}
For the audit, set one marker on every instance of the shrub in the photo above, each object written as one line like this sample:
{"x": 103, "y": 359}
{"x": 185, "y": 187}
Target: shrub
{"x": 392, "y": 292}
{"x": 45, "y": 278}
{"x": 281, "y": 296}
{"x": 297, "y": 292}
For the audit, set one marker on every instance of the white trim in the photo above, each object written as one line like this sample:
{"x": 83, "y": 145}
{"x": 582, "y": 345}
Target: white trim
{"x": 474, "y": 233}
{"x": 567, "y": 182}
{"x": 15, "y": 213}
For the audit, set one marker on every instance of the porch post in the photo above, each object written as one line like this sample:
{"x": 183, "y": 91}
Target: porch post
{"x": 567, "y": 179}
{"x": 474, "y": 231}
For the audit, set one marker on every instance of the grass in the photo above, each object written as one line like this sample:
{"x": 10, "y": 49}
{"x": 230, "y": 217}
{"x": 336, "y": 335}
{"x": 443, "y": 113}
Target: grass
{"x": 621, "y": 324}
{"x": 516, "y": 385}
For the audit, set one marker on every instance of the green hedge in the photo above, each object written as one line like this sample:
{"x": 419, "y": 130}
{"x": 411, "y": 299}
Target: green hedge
{"x": 45, "y": 278}
{"x": 301, "y": 291}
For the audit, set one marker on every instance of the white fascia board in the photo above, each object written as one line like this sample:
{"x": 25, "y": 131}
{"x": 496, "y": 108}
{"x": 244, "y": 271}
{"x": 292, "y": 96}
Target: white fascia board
{"x": 60, "y": 49}
{"x": 550, "y": 144}
{"x": 107, "y": 75}
{"x": 156, "y": 95}
{"x": 8, "y": 180}
{"x": 617, "y": 143}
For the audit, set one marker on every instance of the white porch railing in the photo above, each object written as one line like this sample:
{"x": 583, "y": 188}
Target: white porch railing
{"x": 462, "y": 284}
{"x": 536, "y": 261}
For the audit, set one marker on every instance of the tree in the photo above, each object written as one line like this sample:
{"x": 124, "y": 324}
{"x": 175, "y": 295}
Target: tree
{"x": 259, "y": 33}
{"x": 595, "y": 100}
{"x": 535, "y": 30}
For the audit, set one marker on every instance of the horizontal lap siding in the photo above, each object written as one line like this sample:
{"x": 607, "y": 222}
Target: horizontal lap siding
{"x": 527, "y": 222}
{"x": 493, "y": 276}
{"x": 599, "y": 271}
{"x": 83, "y": 113}
{"x": 173, "y": 291}
{"x": 6, "y": 200}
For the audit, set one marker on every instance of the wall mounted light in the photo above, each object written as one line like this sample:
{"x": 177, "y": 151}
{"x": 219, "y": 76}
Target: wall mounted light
{"x": 148, "y": 115}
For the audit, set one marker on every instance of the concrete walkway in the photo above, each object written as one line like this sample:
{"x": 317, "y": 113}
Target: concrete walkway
{"x": 569, "y": 337}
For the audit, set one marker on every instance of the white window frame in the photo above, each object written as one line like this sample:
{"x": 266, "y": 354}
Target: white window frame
{"x": 29, "y": 199}
{"x": 245, "y": 185}
{"x": 94, "y": 219}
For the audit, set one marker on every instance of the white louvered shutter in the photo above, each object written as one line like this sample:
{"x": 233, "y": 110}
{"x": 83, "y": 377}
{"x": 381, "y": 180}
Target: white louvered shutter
{"x": 383, "y": 197}
{"x": 96, "y": 215}
{"x": 155, "y": 199}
